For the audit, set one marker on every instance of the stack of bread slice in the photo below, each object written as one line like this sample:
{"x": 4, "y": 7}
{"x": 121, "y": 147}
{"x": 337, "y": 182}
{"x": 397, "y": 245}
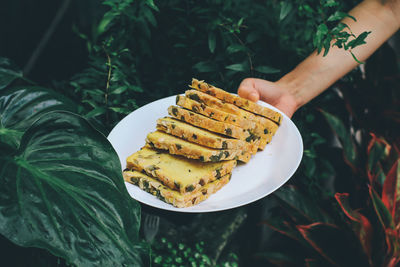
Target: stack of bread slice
{"x": 192, "y": 153}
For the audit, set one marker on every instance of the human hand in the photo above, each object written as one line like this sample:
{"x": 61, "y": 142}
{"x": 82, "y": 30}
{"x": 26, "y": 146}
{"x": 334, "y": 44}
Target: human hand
{"x": 273, "y": 93}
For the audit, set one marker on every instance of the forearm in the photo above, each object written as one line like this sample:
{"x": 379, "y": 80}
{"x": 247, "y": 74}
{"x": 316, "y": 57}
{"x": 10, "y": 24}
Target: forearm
{"x": 317, "y": 73}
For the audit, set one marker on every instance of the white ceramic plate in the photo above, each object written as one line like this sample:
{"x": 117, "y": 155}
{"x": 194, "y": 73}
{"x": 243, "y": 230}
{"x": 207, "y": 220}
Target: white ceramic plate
{"x": 263, "y": 174}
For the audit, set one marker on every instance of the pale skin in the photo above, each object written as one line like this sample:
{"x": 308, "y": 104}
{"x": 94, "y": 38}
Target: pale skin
{"x": 317, "y": 73}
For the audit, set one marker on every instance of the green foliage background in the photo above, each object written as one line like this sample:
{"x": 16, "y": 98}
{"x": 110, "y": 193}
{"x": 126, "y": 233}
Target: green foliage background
{"x": 110, "y": 57}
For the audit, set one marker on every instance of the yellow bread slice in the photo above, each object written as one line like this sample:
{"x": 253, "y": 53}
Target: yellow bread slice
{"x": 179, "y": 173}
{"x": 178, "y": 146}
{"x": 211, "y": 125}
{"x": 216, "y": 126}
{"x": 197, "y": 135}
{"x": 216, "y": 114}
{"x": 267, "y": 125}
{"x": 236, "y": 100}
{"x": 173, "y": 197}
{"x": 223, "y": 116}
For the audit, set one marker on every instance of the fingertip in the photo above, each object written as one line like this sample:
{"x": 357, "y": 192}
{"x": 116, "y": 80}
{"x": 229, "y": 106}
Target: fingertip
{"x": 246, "y": 90}
{"x": 253, "y": 96}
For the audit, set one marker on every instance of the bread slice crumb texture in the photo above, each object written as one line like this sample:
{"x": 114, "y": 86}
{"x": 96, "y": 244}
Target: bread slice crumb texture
{"x": 178, "y": 173}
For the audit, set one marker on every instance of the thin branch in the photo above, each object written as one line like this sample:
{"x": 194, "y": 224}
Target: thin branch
{"x": 46, "y": 37}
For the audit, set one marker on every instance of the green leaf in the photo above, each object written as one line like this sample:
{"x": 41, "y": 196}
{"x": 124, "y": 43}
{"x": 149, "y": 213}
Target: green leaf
{"x": 333, "y": 244}
{"x": 320, "y": 35}
{"x": 104, "y": 23}
{"x": 8, "y": 73}
{"x": 236, "y": 67}
{"x": 119, "y": 90}
{"x": 348, "y": 145}
{"x": 205, "y": 66}
{"x": 63, "y": 191}
{"x": 96, "y": 112}
{"x": 211, "y": 41}
{"x": 151, "y": 4}
{"x": 121, "y": 110}
{"x": 234, "y": 48}
{"x": 386, "y": 220}
{"x": 391, "y": 191}
{"x": 266, "y": 69}
{"x": 286, "y": 7}
{"x": 355, "y": 58}
{"x": 299, "y": 203}
{"x": 359, "y": 40}
{"x": 360, "y": 224}
{"x": 330, "y": 3}
{"x": 382, "y": 212}
{"x": 277, "y": 223}
{"x": 149, "y": 16}
{"x": 339, "y": 15}
{"x": 326, "y": 45}
{"x": 21, "y": 106}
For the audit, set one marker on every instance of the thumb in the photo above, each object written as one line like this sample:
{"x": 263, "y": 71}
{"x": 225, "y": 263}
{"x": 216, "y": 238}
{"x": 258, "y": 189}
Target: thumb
{"x": 248, "y": 90}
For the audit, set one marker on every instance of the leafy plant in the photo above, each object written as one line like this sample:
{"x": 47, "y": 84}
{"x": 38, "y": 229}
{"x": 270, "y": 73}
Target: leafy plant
{"x": 140, "y": 51}
{"x": 361, "y": 218}
{"x": 144, "y": 50}
{"x": 61, "y": 183}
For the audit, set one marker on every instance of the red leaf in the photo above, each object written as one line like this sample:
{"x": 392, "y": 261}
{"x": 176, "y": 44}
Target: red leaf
{"x": 303, "y": 229}
{"x": 393, "y": 262}
{"x": 282, "y": 227}
{"x": 386, "y": 220}
{"x": 391, "y": 192}
{"x": 360, "y": 224}
{"x": 378, "y": 150}
{"x": 380, "y": 141}
{"x": 342, "y": 199}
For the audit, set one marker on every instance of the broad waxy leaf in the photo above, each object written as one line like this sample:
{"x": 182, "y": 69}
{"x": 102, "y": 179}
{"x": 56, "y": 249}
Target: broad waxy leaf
{"x": 20, "y": 107}
{"x": 339, "y": 129}
{"x": 62, "y": 190}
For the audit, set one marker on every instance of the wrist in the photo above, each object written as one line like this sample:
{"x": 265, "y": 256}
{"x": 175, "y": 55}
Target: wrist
{"x": 292, "y": 87}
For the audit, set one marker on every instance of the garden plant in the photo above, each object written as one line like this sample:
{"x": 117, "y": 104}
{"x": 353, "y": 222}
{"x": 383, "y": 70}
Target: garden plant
{"x": 63, "y": 201}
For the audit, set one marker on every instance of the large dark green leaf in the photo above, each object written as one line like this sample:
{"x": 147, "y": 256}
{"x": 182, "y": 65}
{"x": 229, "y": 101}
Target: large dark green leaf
{"x": 20, "y": 107}
{"x": 62, "y": 190}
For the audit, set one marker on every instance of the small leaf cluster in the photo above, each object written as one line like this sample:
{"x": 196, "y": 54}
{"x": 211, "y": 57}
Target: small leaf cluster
{"x": 109, "y": 84}
{"x": 174, "y": 253}
{"x": 331, "y": 31}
